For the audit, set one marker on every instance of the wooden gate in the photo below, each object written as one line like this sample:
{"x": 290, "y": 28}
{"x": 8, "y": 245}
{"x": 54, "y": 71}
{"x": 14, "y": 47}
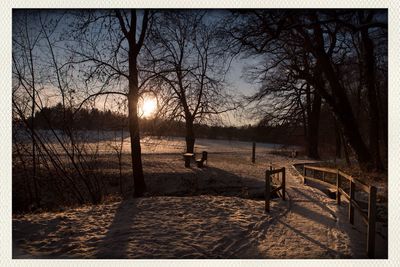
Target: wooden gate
{"x": 279, "y": 189}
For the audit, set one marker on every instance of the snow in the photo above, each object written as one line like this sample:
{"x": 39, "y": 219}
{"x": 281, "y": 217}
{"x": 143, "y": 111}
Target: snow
{"x": 214, "y": 219}
{"x": 107, "y": 141}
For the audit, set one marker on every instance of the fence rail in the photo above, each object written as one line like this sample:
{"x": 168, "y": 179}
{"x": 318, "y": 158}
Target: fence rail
{"x": 281, "y": 189}
{"x": 368, "y": 217}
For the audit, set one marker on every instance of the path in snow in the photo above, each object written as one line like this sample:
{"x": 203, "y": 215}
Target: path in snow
{"x": 313, "y": 227}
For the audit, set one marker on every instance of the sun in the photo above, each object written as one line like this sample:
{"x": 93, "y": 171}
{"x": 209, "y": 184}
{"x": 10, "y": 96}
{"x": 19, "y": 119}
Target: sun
{"x": 148, "y": 107}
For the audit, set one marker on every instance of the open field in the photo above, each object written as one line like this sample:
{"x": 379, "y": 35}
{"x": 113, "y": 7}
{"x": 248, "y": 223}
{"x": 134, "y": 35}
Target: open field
{"x": 162, "y": 164}
{"x": 105, "y": 142}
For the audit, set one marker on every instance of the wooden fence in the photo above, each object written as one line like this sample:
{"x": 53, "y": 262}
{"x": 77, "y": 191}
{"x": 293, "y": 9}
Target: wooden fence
{"x": 340, "y": 186}
{"x": 279, "y": 189}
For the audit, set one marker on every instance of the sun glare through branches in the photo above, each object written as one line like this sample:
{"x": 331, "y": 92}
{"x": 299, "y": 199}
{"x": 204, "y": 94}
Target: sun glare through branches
{"x": 148, "y": 107}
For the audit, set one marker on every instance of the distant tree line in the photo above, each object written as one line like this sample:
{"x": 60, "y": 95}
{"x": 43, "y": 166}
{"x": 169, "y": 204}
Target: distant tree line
{"x": 57, "y": 117}
{"x": 95, "y": 119}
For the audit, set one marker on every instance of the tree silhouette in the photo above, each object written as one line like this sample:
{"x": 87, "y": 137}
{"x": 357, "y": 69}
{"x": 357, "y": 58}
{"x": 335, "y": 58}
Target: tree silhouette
{"x": 112, "y": 56}
{"x": 316, "y": 47}
{"x": 187, "y": 61}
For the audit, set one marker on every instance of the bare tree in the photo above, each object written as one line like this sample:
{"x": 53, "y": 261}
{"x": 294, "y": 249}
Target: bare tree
{"x": 110, "y": 43}
{"x": 324, "y": 37}
{"x": 25, "y": 42}
{"x": 38, "y": 76}
{"x": 338, "y": 98}
{"x": 368, "y": 67}
{"x": 186, "y": 60}
{"x": 285, "y": 98}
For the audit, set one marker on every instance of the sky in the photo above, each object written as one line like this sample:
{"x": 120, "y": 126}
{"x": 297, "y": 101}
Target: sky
{"x": 235, "y": 81}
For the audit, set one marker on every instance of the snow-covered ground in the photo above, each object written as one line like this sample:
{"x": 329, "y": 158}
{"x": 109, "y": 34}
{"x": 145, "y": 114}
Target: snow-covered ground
{"x": 210, "y": 223}
{"x": 108, "y": 141}
{"x": 177, "y": 144}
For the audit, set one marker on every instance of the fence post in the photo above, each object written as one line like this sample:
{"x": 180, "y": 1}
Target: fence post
{"x": 304, "y": 174}
{"x": 351, "y": 208}
{"x": 253, "y": 157}
{"x": 271, "y": 169}
{"x": 283, "y": 183}
{"x": 337, "y": 187}
{"x": 267, "y": 190}
{"x": 371, "y": 222}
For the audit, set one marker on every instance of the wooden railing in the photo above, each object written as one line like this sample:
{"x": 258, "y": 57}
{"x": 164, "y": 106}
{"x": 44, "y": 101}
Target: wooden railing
{"x": 279, "y": 189}
{"x": 338, "y": 183}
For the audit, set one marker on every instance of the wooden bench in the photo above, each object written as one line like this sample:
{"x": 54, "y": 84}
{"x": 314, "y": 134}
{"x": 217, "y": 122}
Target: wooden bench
{"x": 188, "y": 157}
{"x": 200, "y": 162}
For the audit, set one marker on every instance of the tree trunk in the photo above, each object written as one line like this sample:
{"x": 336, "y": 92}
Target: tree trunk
{"x": 34, "y": 171}
{"x": 338, "y": 141}
{"x": 313, "y": 127}
{"x": 133, "y": 97}
{"x": 190, "y": 137}
{"x": 344, "y": 115}
{"x": 339, "y": 102}
{"x": 369, "y": 70}
{"x": 384, "y": 120}
{"x": 346, "y": 151}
